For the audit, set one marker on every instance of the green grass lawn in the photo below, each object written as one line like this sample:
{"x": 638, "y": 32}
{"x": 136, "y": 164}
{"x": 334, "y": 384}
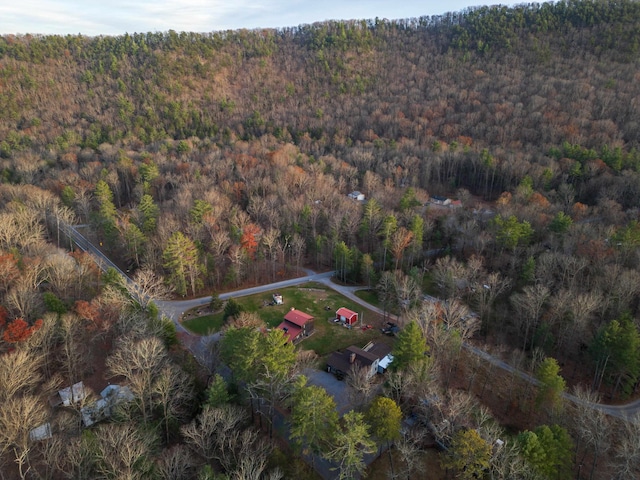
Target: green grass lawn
{"x": 369, "y": 296}
{"x": 329, "y": 336}
{"x": 204, "y": 325}
{"x": 312, "y": 298}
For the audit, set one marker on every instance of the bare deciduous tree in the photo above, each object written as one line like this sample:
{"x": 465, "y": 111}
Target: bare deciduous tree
{"x": 298, "y": 246}
{"x": 507, "y": 463}
{"x": 18, "y": 416}
{"x": 207, "y": 433}
{"x": 176, "y": 463}
{"x": 270, "y": 242}
{"x": 591, "y": 427}
{"x": 245, "y": 320}
{"x": 21, "y": 228}
{"x": 75, "y": 352}
{"x": 407, "y": 291}
{"x": 621, "y": 285}
{"x": 19, "y": 373}
{"x": 43, "y": 340}
{"x": 305, "y": 359}
{"x": 23, "y": 299}
{"x": 449, "y": 274}
{"x": 448, "y": 413}
{"x": 51, "y": 453}
{"x": 124, "y": 451}
{"x": 626, "y": 459}
{"x": 148, "y": 286}
{"x": 409, "y": 449}
{"x": 253, "y": 466}
{"x": 140, "y": 362}
{"x": 400, "y": 240}
{"x": 360, "y": 385}
{"x": 412, "y": 384}
{"x": 485, "y": 292}
{"x": 529, "y": 304}
{"x": 61, "y": 274}
{"x": 173, "y": 391}
{"x": 457, "y": 316}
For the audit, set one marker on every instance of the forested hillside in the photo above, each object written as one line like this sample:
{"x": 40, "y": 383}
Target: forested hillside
{"x": 203, "y": 162}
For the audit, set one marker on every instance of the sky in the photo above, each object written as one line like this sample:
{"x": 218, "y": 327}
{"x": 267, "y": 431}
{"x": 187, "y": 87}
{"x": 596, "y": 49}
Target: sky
{"x": 116, "y": 17}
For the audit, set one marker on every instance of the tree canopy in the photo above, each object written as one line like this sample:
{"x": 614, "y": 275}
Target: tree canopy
{"x": 410, "y": 347}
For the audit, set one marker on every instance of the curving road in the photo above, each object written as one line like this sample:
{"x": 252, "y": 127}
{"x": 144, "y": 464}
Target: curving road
{"x": 200, "y": 347}
{"x": 175, "y": 308}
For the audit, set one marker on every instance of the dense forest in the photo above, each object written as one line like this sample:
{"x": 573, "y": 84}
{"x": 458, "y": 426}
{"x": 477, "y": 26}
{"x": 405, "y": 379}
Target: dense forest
{"x": 205, "y": 162}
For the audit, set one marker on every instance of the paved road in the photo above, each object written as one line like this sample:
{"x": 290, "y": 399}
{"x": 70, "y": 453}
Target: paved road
{"x": 625, "y": 411}
{"x": 175, "y": 308}
{"x": 349, "y": 292}
{"x": 201, "y": 346}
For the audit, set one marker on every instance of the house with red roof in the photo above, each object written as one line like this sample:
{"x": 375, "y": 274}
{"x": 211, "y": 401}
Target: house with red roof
{"x": 346, "y": 316}
{"x": 297, "y": 325}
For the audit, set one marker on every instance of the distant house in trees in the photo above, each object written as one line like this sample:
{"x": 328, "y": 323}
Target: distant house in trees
{"x": 370, "y": 357}
{"x": 110, "y": 397}
{"x": 297, "y": 325}
{"x": 346, "y": 316}
{"x": 356, "y": 196}
{"x": 438, "y": 200}
{"x": 68, "y": 396}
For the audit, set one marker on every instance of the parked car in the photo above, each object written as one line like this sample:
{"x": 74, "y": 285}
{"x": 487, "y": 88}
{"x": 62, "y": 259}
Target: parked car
{"x": 390, "y": 330}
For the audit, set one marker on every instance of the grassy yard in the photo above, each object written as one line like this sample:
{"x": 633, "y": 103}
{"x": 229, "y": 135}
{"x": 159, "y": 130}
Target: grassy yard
{"x": 369, "y": 296}
{"x": 314, "y": 299}
{"x": 204, "y": 325}
{"x": 329, "y": 337}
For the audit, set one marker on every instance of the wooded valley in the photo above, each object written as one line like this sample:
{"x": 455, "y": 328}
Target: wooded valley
{"x": 498, "y": 152}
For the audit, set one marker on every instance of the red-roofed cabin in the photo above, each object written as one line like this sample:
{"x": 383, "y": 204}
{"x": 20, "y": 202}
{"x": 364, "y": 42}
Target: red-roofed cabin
{"x": 297, "y": 325}
{"x": 346, "y": 316}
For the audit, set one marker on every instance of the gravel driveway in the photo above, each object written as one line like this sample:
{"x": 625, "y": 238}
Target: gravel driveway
{"x": 334, "y": 387}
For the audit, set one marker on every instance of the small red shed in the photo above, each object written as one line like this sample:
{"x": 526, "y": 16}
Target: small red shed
{"x": 346, "y": 316}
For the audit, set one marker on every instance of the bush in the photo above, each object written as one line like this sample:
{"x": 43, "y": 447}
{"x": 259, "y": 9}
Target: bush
{"x": 232, "y": 309}
{"x": 216, "y": 303}
{"x": 54, "y": 304}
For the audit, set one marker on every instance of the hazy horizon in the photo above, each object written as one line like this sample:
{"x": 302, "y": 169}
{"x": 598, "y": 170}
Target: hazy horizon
{"x": 117, "y": 17}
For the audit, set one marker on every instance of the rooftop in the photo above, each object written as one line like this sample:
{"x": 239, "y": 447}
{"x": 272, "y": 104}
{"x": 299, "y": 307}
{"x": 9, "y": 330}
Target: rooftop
{"x": 345, "y": 312}
{"x": 297, "y": 317}
{"x": 363, "y": 358}
{"x": 292, "y": 330}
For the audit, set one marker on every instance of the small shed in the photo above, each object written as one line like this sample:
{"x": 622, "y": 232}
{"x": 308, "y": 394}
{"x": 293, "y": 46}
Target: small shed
{"x": 346, "y": 316}
{"x": 277, "y": 299}
{"x": 359, "y": 196}
{"x": 68, "y": 396}
{"x": 384, "y": 363}
{"x": 43, "y": 432}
